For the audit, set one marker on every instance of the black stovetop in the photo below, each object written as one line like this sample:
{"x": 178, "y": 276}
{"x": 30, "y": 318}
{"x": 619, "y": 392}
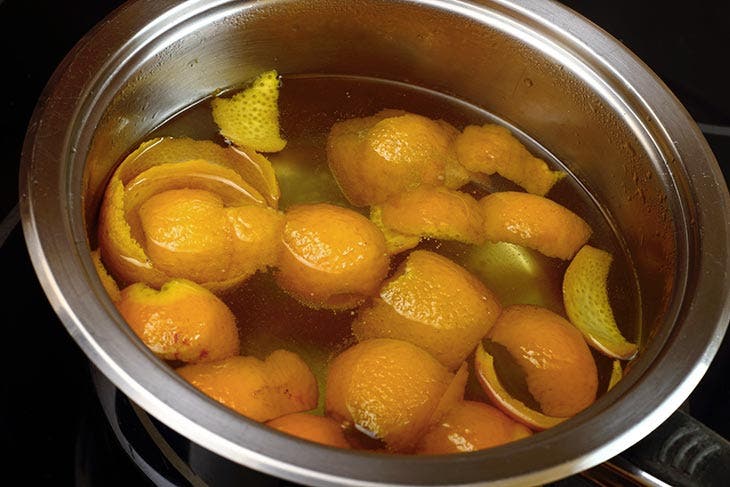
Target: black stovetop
{"x": 52, "y": 425}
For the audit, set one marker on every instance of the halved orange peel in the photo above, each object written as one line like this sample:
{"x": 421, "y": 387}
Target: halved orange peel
{"x": 251, "y": 117}
{"x": 587, "y": 304}
{"x": 375, "y": 157}
{"x": 518, "y": 410}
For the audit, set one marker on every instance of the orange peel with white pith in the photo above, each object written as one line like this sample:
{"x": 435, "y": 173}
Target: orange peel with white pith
{"x": 498, "y": 394}
{"x": 585, "y": 295}
{"x": 250, "y": 118}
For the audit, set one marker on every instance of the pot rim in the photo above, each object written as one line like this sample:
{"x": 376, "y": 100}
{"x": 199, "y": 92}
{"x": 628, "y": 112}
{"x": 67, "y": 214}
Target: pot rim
{"x": 51, "y": 213}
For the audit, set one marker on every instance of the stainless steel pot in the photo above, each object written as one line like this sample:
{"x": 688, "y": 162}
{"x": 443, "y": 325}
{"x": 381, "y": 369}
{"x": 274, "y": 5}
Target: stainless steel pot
{"x": 534, "y": 63}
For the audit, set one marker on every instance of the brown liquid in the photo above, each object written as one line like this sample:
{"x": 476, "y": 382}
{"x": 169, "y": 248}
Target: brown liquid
{"x": 309, "y": 105}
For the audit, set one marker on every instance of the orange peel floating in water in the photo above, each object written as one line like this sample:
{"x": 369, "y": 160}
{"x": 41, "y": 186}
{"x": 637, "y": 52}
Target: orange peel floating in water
{"x": 559, "y": 369}
{"x": 331, "y": 257}
{"x": 518, "y": 410}
{"x": 388, "y": 389}
{"x": 587, "y": 304}
{"x": 471, "y": 426}
{"x": 319, "y": 429}
{"x": 492, "y": 148}
{"x": 395, "y": 242}
{"x": 192, "y": 234}
{"x": 237, "y": 181}
{"x": 533, "y": 221}
{"x": 182, "y": 321}
{"x": 250, "y": 118}
{"x": 432, "y": 212}
{"x": 434, "y": 303}
{"x": 258, "y": 389}
{"x": 373, "y": 158}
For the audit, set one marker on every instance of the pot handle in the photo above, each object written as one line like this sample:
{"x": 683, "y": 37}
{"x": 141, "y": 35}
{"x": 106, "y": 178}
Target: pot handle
{"x": 680, "y": 452}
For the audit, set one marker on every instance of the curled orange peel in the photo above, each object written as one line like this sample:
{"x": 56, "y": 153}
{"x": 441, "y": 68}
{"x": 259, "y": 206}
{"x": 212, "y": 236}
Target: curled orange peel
{"x": 491, "y": 148}
{"x": 251, "y": 117}
{"x": 587, "y": 305}
{"x": 429, "y": 211}
{"x": 513, "y": 407}
{"x": 239, "y": 177}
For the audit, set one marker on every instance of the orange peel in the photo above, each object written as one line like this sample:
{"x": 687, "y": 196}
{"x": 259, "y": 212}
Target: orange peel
{"x": 250, "y": 118}
{"x": 182, "y": 321}
{"x": 518, "y": 410}
{"x": 175, "y": 164}
{"x": 491, "y": 148}
{"x": 258, "y": 389}
{"x": 431, "y": 212}
{"x": 390, "y": 152}
{"x": 560, "y": 371}
{"x": 395, "y": 242}
{"x": 387, "y": 389}
{"x": 431, "y": 302}
{"x": 533, "y": 221}
{"x": 318, "y": 429}
{"x": 471, "y": 426}
{"x": 587, "y": 304}
{"x": 331, "y": 257}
